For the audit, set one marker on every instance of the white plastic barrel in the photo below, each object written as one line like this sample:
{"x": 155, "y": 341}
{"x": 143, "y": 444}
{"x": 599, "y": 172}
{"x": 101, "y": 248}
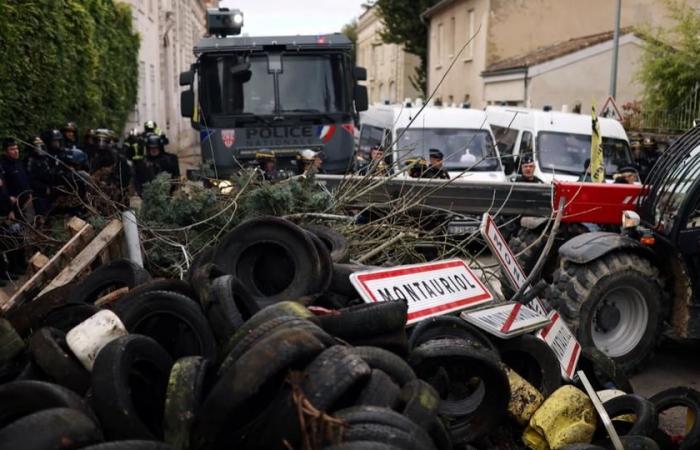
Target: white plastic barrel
{"x": 88, "y": 337}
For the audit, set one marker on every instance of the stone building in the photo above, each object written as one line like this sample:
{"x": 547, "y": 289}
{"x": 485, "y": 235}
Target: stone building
{"x": 168, "y": 30}
{"x": 389, "y": 68}
{"x": 508, "y": 36}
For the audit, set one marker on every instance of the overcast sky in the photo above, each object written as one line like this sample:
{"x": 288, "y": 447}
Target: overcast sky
{"x": 290, "y": 17}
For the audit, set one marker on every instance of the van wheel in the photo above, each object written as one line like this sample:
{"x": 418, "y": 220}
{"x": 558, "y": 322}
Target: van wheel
{"x": 612, "y": 303}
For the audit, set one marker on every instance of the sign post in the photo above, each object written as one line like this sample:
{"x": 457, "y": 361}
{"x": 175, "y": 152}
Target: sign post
{"x": 556, "y": 334}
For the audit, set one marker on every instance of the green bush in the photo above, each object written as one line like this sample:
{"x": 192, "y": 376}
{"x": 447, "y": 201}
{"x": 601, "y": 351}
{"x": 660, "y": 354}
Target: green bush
{"x": 66, "y": 60}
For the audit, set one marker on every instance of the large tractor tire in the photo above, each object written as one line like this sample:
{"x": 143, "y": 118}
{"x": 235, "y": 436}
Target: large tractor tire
{"x": 613, "y": 303}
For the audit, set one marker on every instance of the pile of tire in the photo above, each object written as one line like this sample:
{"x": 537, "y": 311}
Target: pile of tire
{"x": 266, "y": 346}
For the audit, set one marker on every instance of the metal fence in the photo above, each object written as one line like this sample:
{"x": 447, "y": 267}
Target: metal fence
{"x": 675, "y": 121}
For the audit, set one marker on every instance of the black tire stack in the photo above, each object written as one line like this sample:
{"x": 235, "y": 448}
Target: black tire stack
{"x": 250, "y": 354}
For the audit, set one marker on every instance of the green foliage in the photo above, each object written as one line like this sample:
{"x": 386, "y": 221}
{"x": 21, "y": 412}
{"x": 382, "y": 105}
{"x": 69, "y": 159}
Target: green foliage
{"x": 350, "y": 30}
{"x": 403, "y": 25}
{"x": 671, "y": 59}
{"x": 182, "y": 208}
{"x": 289, "y": 197}
{"x": 66, "y": 60}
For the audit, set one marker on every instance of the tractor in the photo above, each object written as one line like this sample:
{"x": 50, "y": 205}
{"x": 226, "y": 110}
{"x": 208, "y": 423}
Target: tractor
{"x": 619, "y": 291}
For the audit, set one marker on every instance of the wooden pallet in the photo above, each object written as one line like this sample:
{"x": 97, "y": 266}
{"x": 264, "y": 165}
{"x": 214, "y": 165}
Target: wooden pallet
{"x": 72, "y": 259}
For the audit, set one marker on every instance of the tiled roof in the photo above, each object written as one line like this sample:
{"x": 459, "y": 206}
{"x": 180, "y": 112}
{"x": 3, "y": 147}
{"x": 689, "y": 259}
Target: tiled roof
{"x": 550, "y": 52}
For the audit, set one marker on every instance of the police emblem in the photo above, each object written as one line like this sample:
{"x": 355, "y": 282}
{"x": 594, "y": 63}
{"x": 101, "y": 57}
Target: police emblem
{"x": 229, "y": 137}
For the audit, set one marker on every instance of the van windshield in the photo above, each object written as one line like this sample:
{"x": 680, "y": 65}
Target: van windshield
{"x": 463, "y": 149}
{"x": 567, "y": 153}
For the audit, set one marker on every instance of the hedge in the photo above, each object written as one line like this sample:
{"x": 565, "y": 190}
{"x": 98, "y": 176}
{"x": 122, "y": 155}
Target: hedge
{"x": 66, "y": 60}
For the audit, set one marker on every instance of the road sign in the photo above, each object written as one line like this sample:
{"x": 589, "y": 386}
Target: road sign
{"x": 610, "y": 110}
{"x": 557, "y": 334}
{"x": 430, "y": 289}
{"x": 563, "y": 342}
{"x": 499, "y": 247}
{"x": 506, "y": 320}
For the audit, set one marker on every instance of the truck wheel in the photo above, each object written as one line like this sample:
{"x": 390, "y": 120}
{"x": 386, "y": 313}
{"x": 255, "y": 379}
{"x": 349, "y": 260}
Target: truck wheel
{"x": 612, "y": 303}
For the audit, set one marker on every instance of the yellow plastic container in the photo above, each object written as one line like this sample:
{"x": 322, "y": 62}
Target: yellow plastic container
{"x": 566, "y": 417}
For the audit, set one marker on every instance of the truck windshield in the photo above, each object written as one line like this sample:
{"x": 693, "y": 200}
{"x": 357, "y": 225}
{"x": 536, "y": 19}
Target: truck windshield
{"x": 241, "y": 85}
{"x": 567, "y": 153}
{"x": 463, "y": 148}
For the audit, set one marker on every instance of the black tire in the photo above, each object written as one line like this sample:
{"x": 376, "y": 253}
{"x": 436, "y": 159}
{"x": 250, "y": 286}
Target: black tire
{"x": 645, "y": 412}
{"x": 22, "y": 398}
{"x": 202, "y": 277}
{"x": 420, "y": 402}
{"x": 387, "y": 362}
{"x": 335, "y": 242}
{"x": 681, "y": 396}
{"x": 11, "y": 343}
{"x": 602, "y": 371}
{"x": 637, "y": 443}
{"x": 267, "y": 328}
{"x": 441, "y": 327}
{"x": 56, "y": 428}
{"x": 340, "y": 282}
{"x": 362, "y": 445}
{"x": 325, "y": 268}
{"x": 370, "y": 423}
{"x": 473, "y": 414}
{"x": 51, "y": 353}
{"x": 265, "y": 314}
{"x": 221, "y": 310}
{"x": 69, "y": 315}
{"x": 379, "y": 390}
{"x": 239, "y": 396}
{"x": 130, "y": 445}
{"x": 366, "y": 320}
{"x": 28, "y": 316}
{"x": 173, "y": 320}
{"x": 129, "y": 383}
{"x": 579, "y": 289}
{"x": 204, "y": 257}
{"x": 395, "y": 342}
{"x": 173, "y": 285}
{"x": 114, "y": 275}
{"x": 190, "y": 379}
{"x": 266, "y": 242}
{"x": 532, "y": 359}
{"x": 335, "y": 373}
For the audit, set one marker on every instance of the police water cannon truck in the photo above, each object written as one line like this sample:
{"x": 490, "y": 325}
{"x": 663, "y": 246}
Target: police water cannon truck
{"x": 280, "y": 94}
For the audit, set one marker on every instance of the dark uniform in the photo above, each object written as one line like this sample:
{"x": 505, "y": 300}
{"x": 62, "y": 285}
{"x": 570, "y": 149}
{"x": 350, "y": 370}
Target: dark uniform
{"x": 158, "y": 160}
{"x": 40, "y": 167}
{"x": 15, "y": 185}
{"x": 435, "y": 170}
{"x": 527, "y": 159}
{"x": 111, "y": 172}
{"x": 267, "y": 164}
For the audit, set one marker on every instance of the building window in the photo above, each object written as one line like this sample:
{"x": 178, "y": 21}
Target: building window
{"x": 440, "y": 44}
{"x": 471, "y": 29}
{"x": 451, "y": 39}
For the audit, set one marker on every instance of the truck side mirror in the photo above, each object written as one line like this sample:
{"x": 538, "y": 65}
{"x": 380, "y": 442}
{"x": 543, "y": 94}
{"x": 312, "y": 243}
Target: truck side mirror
{"x": 187, "y": 78}
{"x": 359, "y": 73}
{"x": 361, "y": 99}
{"x": 187, "y": 103}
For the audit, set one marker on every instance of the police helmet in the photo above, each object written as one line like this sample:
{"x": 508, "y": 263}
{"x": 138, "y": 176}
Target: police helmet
{"x": 527, "y": 159}
{"x": 76, "y": 157}
{"x": 307, "y": 155}
{"x": 435, "y": 153}
{"x": 265, "y": 155}
{"x": 70, "y": 126}
{"x": 103, "y": 138}
{"x": 150, "y": 126}
{"x": 153, "y": 140}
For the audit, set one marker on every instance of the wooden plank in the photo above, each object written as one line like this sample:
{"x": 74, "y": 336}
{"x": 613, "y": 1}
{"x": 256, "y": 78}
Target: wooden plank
{"x": 44, "y": 272}
{"x": 36, "y": 262}
{"x": 74, "y": 225}
{"x": 87, "y": 255}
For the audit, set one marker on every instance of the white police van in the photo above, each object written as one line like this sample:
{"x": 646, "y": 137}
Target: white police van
{"x": 559, "y": 142}
{"x": 405, "y": 132}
